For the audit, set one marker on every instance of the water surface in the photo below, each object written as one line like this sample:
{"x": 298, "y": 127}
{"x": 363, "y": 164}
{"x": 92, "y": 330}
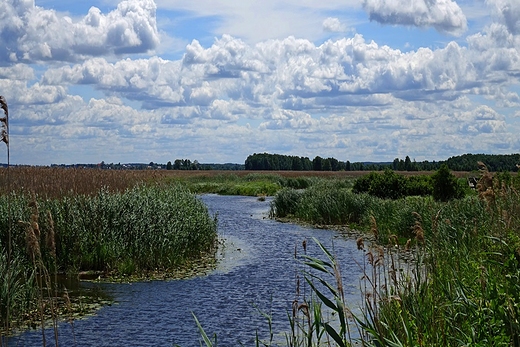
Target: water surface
{"x": 257, "y": 273}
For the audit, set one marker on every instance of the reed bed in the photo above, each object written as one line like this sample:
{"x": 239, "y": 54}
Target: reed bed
{"x": 144, "y": 227}
{"x": 145, "y": 231}
{"x": 449, "y": 274}
{"x": 56, "y": 182}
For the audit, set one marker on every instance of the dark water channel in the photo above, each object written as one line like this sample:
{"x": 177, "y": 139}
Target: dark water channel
{"x": 257, "y": 272}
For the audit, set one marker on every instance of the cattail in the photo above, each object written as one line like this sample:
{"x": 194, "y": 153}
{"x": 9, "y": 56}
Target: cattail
{"x": 373, "y": 226}
{"x": 360, "y": 243}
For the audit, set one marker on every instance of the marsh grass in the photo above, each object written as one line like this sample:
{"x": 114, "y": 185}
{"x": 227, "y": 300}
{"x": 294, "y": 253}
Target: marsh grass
{"x": 251, "y": 184}
{"x": 144, "y": 232}
{"x": 449, "y": 273}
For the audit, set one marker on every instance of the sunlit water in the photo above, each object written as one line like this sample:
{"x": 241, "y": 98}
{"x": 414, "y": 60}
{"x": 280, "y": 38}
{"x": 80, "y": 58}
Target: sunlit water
{"x": 257, "y": 273}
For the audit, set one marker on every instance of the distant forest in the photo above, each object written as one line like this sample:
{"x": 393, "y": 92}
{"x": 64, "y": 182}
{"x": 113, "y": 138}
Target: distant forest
{"x": 280, "y": 162}
{"x": 466, "y": 162}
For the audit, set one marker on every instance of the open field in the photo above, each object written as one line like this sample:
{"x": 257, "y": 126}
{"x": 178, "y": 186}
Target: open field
{"x": 55, "y": 182}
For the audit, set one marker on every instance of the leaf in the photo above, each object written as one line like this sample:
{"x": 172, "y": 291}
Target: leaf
{"x": 322, "y": 297}
{"x": 335, "y": 336}
{"x": 205, "y": 337}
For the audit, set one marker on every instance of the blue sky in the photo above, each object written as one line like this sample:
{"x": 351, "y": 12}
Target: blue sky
{"x": 217, "y": 80}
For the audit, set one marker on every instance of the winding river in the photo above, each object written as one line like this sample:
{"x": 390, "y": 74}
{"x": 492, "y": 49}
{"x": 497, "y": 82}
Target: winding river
{"x": 256, "y": 273}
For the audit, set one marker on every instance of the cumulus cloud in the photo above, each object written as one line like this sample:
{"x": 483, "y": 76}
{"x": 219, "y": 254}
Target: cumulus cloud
{"x": 291, "y": 73}
{"x": 29, "y": 33}
{"x": 509, "y": 13}
{"x": 444, "y": 15}
{"x": 233, "y": 98}
{"x": 334, "y": 25}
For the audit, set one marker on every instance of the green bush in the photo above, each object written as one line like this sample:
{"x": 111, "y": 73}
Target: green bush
{"x": 391, "y": 185}
{"x": 445, "y": 185}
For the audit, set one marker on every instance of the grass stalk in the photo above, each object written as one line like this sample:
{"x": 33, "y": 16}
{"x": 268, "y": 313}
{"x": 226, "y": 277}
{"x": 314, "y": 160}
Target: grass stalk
{"x": 4, "y": 134}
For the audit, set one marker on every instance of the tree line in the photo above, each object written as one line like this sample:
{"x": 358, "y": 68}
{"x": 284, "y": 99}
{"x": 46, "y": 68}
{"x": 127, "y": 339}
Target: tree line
{"x": 466, "y": 162}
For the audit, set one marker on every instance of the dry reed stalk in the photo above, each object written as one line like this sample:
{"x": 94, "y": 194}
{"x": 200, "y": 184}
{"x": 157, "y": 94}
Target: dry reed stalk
{"x": 4, "y": 133}
{"x": 418, "y": 229}
{"x": 394, "y": 240}
{"x": 360, "y": 243}
{"x": 373, "y": 227}
{"x": 485, "y": 187}
{"x": 407, "y": 246}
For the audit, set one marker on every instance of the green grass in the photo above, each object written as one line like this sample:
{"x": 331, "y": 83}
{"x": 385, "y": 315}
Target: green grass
{"x": 455, "y": 283}
{"x": 145, "y": 229}
{"x": 253, "y": 184}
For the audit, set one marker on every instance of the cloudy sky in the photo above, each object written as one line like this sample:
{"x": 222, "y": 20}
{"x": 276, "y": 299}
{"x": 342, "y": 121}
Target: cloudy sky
{"x": 217, "y": 80}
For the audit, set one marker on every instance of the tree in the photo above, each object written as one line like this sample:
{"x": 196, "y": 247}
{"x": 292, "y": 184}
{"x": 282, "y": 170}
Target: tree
{"x": 445, "y": 185}
{"x": 169, "y": 165}
{"x": 317, "y": 163}
{"x": 407, "y": 164}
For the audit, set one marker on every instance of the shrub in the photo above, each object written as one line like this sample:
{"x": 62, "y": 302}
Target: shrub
{"x": 445, "y": 185}
{"x": 391, "y": 185}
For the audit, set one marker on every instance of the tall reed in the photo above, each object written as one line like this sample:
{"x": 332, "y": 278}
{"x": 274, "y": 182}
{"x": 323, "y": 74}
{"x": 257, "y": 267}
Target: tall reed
{"x": 4, "y": 137}
{"x": 454, "y": 277}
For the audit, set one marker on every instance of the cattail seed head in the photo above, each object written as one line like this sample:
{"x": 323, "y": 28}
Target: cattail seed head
{"x": 373, "y": 226}
{"x": 360, "y": 243}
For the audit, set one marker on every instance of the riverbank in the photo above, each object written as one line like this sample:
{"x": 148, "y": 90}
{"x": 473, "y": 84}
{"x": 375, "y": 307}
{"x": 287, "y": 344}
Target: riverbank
{"x": 465, "y": 284}
{"x": 147, "y": 231}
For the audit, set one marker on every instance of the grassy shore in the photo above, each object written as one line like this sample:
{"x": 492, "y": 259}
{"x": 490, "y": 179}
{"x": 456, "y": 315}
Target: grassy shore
{"x": 437, "y": 273}
{"x": 118, "y": 224}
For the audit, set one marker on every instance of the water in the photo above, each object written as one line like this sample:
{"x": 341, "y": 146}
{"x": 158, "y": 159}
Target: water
{"x": 257, "y": 273}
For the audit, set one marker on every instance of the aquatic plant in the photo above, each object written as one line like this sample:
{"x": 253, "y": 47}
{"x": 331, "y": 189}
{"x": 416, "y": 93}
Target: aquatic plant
{"x": 144, "y": 231}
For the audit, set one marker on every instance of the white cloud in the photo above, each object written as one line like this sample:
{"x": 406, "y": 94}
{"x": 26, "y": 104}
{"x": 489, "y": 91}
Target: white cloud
{"x": 31, "y": 33}
{"x": 444, "y": 15}
{"x": 334, "y": 25}
{"x": 348, "y": 97}
{"x": 509, "y": 13}
{"x": 255, "y": 21}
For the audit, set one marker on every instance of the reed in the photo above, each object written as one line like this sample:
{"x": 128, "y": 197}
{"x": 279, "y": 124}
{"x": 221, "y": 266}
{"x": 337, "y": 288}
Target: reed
{"x": 4, "y": 137}
{"x": 144, "y": 231}
{"x": 449, "y": 273}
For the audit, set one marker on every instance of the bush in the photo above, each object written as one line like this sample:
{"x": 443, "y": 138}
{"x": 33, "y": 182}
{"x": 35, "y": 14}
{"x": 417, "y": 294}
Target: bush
{"x": 445, "y": 185}
{"x": 391, "y": 185}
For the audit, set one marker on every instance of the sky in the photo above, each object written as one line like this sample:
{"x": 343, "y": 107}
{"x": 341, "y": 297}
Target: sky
{"x": 217, "y": 80}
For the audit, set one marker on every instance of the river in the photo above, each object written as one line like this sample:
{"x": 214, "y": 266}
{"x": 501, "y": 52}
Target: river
{"x": 256, "y": 273}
